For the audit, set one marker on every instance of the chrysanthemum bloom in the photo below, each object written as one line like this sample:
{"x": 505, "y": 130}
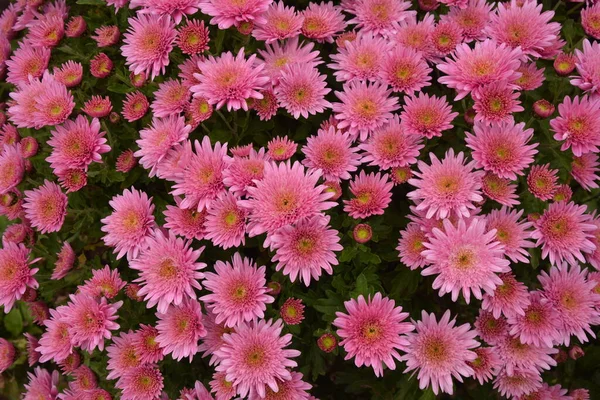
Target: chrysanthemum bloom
{"x": 410, "y": 246}
{"x": 445, "y": 37}
{"x": 322, "y": 21}
{"x": 519, "y": 356}
{"x": 202, "y": 180}
{"x": 11, "y": 205}
{"x": 76, "y": 144}
{"x": 305, "y": 249}
{"x": 531, "y": 78}
{"x": 114, "y": 118}
{"x": 47, "y": 31}
{"x": 440, "y": 351}
{"x": 292, "y": 311}
{"x": 512, "y": 233}
{"x": 243, "y": 170}
{"x": 75, "y": 27}
{"x": 521, "y": 382}
{"x": 17, "y": 233}
{"x": 41, "y": 385}
{"x": 426, "y": 115}
{"x": 90, "y": 320}
{"x": 225, "y": 222}
{"x": 7, "y": 354}
{"x": 170, "y": 98}
{"x": 122, "y": 355}
{"x": 539, "y": 325}
{"x": 301, "y": 91}
{"x": 254, "y": 357}
{"x": 405, "y": 70}
{"x": 472, "y": 19}
{"x": 130, "y": 225}
{"x": 509, "y": 298}
{"x": 33, "y": 356}
{"x": 573, "y": 298}
{"x": 39, "y": 312}
{"x": 9, "y": 135}
{"x": 197, "y": 110}
{"x": 188, "y": 69}
{"x": 362, "y": 233}
{"x": 106, "y": 35}
{"x": 280, "y": 22}
{"x": 470, "y": 70}
{"x": 100, "y": 66}
{"x": 238, "y": 291}
{"x": 105, "y": 282}
{"x": 72, "y": 179}
{"x": 27, "y": 61}
{"x": 292, "y": 389}
{"x": 179, "y": 329}
{"x": 188, "y": 223}
{"x": 143, "y": 382}
{"x": 584, "y": 170}
{"x": 193, "y": 37}
{"x": 135, "y": 106}
{"x": 590, "y": 20}
{"x": 362, "y": 58}
{"x": 12, "y": 167}
{"x": 495, "y": 103}
{"x": 564, "y": 64}
{"x": 500, "y": 190}
{"x": 578, "y": 125}
{"x": 564, "y": 232}
{"x": 541, "y": 181}
{"x": 221, "y": 387}
{"x": 97, "y": 107}
{"x": 55, "y": 342}
{"x": 364, "y": 108}
{"x": 379, "y": 17}
{"x": 286, "y": 194}
{"x": 213, "y": 340}
{"x": 84, "y": 379}
{"x": 137, "y": 80}
{"x": 266, "y": 107}
{"x": 229, "y": 13}
{"x": 332, "y": 154}
{"x": 587, "y": 67}
{"x": 148, "y": 42}
{"x": 277, "y": 56}
{"x": 29, "y": 146}
{"x": 485, "y": 365}
{"x": 230, "y": 80}
{"x": 46, "y": 207}
{"x": 372, "y": 195}
{"x": 415, "y": 34}
{"x": 580, "y": 394}
{"x": 176, "y": 161}
{"x": 281, "y": 148}
{"x": 146, "y": 347}
{"x": 327, "y": 342}
{"x": 69, "y": 73}
{"x": 176, "y": 9}
{"x": 502, "y": 149}
{"x": 563, "y": 193}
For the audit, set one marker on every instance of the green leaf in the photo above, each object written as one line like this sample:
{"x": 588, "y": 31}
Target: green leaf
{"x": 117, "y": 88}
{"x": 362, "y": 285}
{"x": 427, "y": 395}
{"x": 13, "y": 322}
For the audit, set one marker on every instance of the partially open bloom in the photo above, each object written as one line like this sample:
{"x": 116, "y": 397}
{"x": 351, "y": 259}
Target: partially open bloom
{"x": 499, "y": 189}
{"x": 69, "y": 74}
{"x": 510, "y": 298}
{"x": 584, "y": 170}
{"x": 193, "y": 37}
{"x": 292, "y": 311}
{"x": 531, "y": 78}
{"x": 41, "y": 385}
{"x": 541, "y": 181}
{"x": 97, "y": 107}
{"x": 495, "y": 103}
{"x": 105, "y": 282}
{"x": 485, "y": 365}
{"x": 179, "y": 329}
{"x": 135, "y": 106}
{"x": 12, "y": 167}
{"x": 107, "y": 35}
{"x": 64, "y": 262}
{"x": 143, "y": 382}
{"x": 410, "y": 246}
{"x": 244, "y": 169}
{"x": 539, "y": 325}
{"x": 281, "y": 148}
{"x": 171, "y": 98}
{"x": 511, "y": 232}
{"x": 100, "y": 66}
{"x": 46, "y": 207}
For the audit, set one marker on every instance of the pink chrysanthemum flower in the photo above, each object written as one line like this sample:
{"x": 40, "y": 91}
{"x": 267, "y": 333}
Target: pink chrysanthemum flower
{"x": 100, "y": 66}
{"x": 27, "y": 61}
{"x": 531, "y": 78}
{"x": 176, "y": 9}
{"x": 227, "y": 13}
{"x": 440, "y": 351}
{"x": 179, "y": 329}
{"x": 148, "y": 42}
{"x": 280, "y": 22}
{"x": 238, "y": 291}
{"x": 286, "y": 194}
{"x": 54, "y": 103}
{"x": 444, "y": 38}
{"x": 447, "y": 187}
{"x": 143, "y": 382}
{"x": 7, "y": 354}
{"x": 391, "y": 146}
{"x": 578, "y": 125}
{"x": 520, "y": 382}
{"x": 266, "y": 108}
{"x": 122, "y": 355}
{"x": 364, "y": 108}
{"x": 292, "y": 389}
{"x": 281, "y": 148}
{"x": 541, "y": 181}
{"x": 277, "y": 56}
{"x": 495, "y": 103}
{"x": 511, "y": 233}
{"x": 188, "y": 69}
{"x": 33, "y": 356}
{"x": 176, "y": 161}
{"x": 146, "y": 347}
{"x": 322, "y": 21}
{"x": 573, "y": 298}
{"x": 55, "y": 342}
{"x": 12, "y": 167}
{"x": 39, "y": 312}
{"x": 466, "y": 258}
{"x": 539, "y": 325}
{"x": 331, "y": 152}
{"x": 415, "y": 34}
{"x": 255, "y": 359}
{"x": 502, "y": 149}
{"x": 379, "y": 17}
{"x": 405, "y": 70}
{"x": 77, "y": 25}
{"x": 72, "y": 179}
{"x": 169, "y": 270}
{"x": 491, "y": 330}
{"x": 22, "y": 107}
{"x": 362, "y": 59}
{"x": 590, "y": 20}
{"x": 214, "y": 337}
{"x": 410, "y": 246}
{"x": 306, "y": 249}
{"x": 485, "y": 365}
{"x": 47, "y": 31}
{"x": 470, "y": 69}
{"x": 509, "y": 298}
{"x": 41, "y": 385}
{"x": 201, "y": 182}
{"x": 580, "y": 394}
{"x": 46, "y": 207}
{"x": 587, "y": 65}
{"x": 188, "y": 223}
{"x": 292, "y": 311}
{"x": 97, "y": 107}
{"x": 230, "y": 80}
{"x": 76, "y": 144}
{"x": 371, "y": 331}
{"x": 584, "y": 170}
{"x": 244, "y": 169}
{"x": 372, "y": 195}
{"x": 197, "y": 111}
{"x": 193, "y": 37}
{"x": 105, "y": 282}
{"x": 106, "y": 35}
{"x": 472, "y": 19}
{"x": 15, "y": 274}
{"x": 301, "y": 91}
{"x": 69, "y": 74}
{"x": 129, "y": 226}
{"x": 524, "y": 26}
{"x": 135, "y": 106}
{"x": 500, "y": 190}
{"x": 171, "y": 98}
{"x": 225, "y": 223}
{"x": 519, "y": 356}
{"x": 564, "y": 232}
{"x": 126, "y": 161}
{"x": 427, "y": 116}
{"x": 84, "y": 379}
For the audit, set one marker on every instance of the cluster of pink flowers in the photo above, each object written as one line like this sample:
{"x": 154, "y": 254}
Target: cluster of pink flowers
{"x": 379, "y": 92}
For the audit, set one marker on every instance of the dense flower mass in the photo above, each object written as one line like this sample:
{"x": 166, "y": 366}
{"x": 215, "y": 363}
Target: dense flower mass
{"x": 299, "y": 200}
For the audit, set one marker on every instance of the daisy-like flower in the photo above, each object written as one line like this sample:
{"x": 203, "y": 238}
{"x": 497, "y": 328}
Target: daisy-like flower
{"x": 76, "y": 144}
{"x": 578, "y": 125}
{"x": 39, "y": 313}
{"x": 46, "y": 207}
{"x": 179, "y": 329}
{"x": 499, "y": 189}
{"x": 495, "y": 103}
{"x": 186, "y": 222}
{"x": 281, "y": 148}
{"x": 228, "y": 13}
{"x": 502, "y": 149}
{"x": 130, "y": 225}
{"x": 122, "y": 355}
{"x": 105, "y": 282}
{"x": 266, "y": 108}
{"x": 322, "y": 21}
{"x": 143, "y": 382}
{"x": 255, "y": 357}
{"x": 97, "y": 107}
{"x": 447, "y": 187}
{"x": 590, "y": 20}
{"x": 512, "y": 233}
{"x": 586, "y": 64}
{"x": 47, "y": 31}
{"x": 361, "y": 59}
{"x": 84, "y": 379}
{"x": 520, "y": 382}
{"x": 485, "y": 365}
{"x": 584, "y": 170}
{"x": 126, "y": 161}
{"x": 27, "y": 61}
{"x": 41, "y": 385}
{"x": 440, "y": 351}
{"x": 146, "y": 347}
{"x": 531, "y": 77}
{"x": 520, "y": 356}
{"x": 169, "y": 270}
{"x": 280, "y": 22}
{"x": 445, "y": 37}
{"x": 76, "y": 26}
{"x": 69, "y": 73}
{"x": 564, "y": 232}
{"x": 225, "y": 223}
{"x": 331, "y": 152}
{"x": 201, "y": 182}
{"x": 426, "y": 115}
{"x": 372, "y": 195}
{"x": 148, "y": 42}
{"x": 90, "y": 320}
{"x": 410, "y": 246}
{"x": 305, "y": 249}
{"x": 292, "y": 311}
{"x": 107, "y": 35}
{"x": 135, "y": 106}
{"x": 285, "y": 195}
{"x": 364, "y": 108}
{"x": 15, "y": 274}
{"x": 301, "y": 91}
{"x": 391, "y": 146}
{"x": 54, "y": 103}
{"x": 72, "y": 179}
{"x": 539, "y": 325}
{"x": 170, "y": 98}
{"x": 244, "y": 169}
{"x": 327, "y": 342}
{"x": 12, "y": 167}
{"x": 523, "y": 25}
{"x": 509, "y": 298}
{"x": 100, "y": 66}
{"x": 470, "y": 69}
{"x": 176, "y": 9}
{"x": 405, "y": 70}
{"x": 193, "y": 37}
{"x": 230, "y": 80}
{"x": 379, "y": 17}
{"x": 541, "y": 181}
{"x": 188, "y": 69}
{"x": 292, "y": 389}
{"x": 214, "y": 337}
{"x": 466, "y": 258}
{"x": 573, "y": 298}
{"x": 277, "y": 56}
{"x": 415, "y": 34}
{"x": 371, "y": 330}
{"x": 238, "y": 291}
{"x": 472, "y": 19}
{"x": 55, "y": 342}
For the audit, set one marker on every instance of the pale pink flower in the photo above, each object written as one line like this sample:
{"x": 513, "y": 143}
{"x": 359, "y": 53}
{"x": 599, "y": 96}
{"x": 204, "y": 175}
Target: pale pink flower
{"x": 277, "y": 56}
{"x": 410, "y": 246}
{"x": 520, "y": 382}
{"x": 485, "y": 365}
{"x": 244, "y": 169}
{"x": 531, "y": 78}
{"x": 41, "y": 385}
{"x": 170, "y": 98}
{"x": 46, "y": 207}
{"x": 15, "y": 274}
{"x": 361, "y": 59}
{"x": 107, "y": 35}
{"x": 97, "y": 107}
{"x": 578, "y": 125}
{"x": 69, "y": 74}
{"x": 405, "y": 70}
{"x": 147, "y": 348}
{"x": 372, "y": 195}
{"x": 500, "y": 190}
{"x": 379, "y": 17}
{"x": 55, "y": 342}
{"x": 588, "y": 67}
{"x": 27, "y": 61}
{"x": 495, "y": 103}
{"x": 427, "y": 116}
{"x": 511, "y": 232}
{"x": 281, "y": 148}
{"x": 472, "y": 19}
{"x": 322, "y": 21}
{"x": 122, "y": 355}
{"x": 179, "y": 329}
{"x": 227, "y": 13}
{"x": 415, "y": 34}
{"x": 301, "y": 91}
{"x": 225, "y": 223}
{"x": 280, "y": 22}
{"x": 541, "y": 181}
{"x": 12, "y": 167}
{"x": 539, "y": 325}
{"x": 176, "y": 9}
{"x": 519, "y": 356}
{"x": 510, "y": 298}
{"x": 584, "y": 170}
{"x": 188, "y": 69}
{"x": 214, "y": 337}
{"x": 105, "y": 282}
{"x": 331, "y": 153}
{"x": 491, "y": 330}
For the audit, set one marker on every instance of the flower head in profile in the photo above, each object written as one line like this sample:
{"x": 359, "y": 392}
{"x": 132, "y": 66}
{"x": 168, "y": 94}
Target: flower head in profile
{"x": 587, "y": 67}
{"x": 107, "y": 35}
{"x": 176, "y": 9}
{"x": 135, "y": 106}
{"x": 332, "y": 153}
{"x": 485, "y": 365}
{"x": 179, "y": 329}
{"x": 584, "y": 170}
{"x": 12, "y": 167}
{"x": 372, "y": 195}
{"x": 97, "y": 107}
{"x": 410, "y": 246}
{"x": 122, "y": 355}
{"x": 46, "y": 207}
{"x": 69, "y": 74}
{"x": 15, "y": 273}
{"x": 105, "y": 282}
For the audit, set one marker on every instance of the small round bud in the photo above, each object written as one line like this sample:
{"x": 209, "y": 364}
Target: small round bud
{"x": 362, "y": 233}
{"x": 327, "y": 342}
